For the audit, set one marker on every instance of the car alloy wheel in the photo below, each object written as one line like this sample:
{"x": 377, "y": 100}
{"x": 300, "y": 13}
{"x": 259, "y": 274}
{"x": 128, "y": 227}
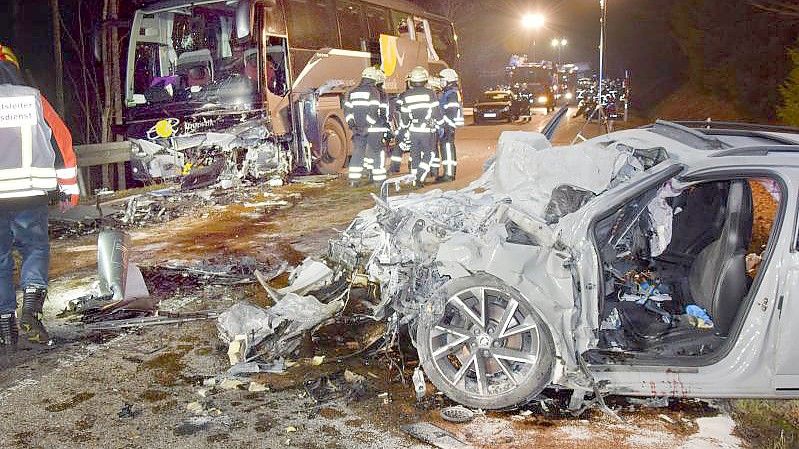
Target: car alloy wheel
{"x": 489, "y": 348}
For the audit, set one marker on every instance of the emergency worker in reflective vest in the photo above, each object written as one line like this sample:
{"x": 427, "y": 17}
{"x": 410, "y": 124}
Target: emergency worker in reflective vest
{"x": 420, "y": 118}
{"x": 36, "y": 157}
{"x": 452, "y": 108}
{"x": 366, "y": 113}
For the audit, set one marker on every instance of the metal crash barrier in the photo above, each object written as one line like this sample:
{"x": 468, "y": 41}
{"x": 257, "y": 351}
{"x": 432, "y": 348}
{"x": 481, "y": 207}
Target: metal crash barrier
{"x": 102, "y": 166}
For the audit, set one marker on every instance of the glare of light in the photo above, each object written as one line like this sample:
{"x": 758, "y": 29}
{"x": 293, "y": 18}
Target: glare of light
{"x": 563, "y": 42}
{"x": 542, "y": 99}
{"x": 569, "y": 95}
{"x": 533, "y": 21}
{"x": 555, "y": 42}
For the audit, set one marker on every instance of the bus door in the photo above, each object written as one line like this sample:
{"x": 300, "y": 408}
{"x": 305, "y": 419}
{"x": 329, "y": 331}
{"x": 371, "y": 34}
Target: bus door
{"x": 278, "y": 81}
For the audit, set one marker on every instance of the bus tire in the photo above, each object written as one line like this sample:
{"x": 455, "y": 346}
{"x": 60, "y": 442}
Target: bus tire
{"x": 337, "y": 148}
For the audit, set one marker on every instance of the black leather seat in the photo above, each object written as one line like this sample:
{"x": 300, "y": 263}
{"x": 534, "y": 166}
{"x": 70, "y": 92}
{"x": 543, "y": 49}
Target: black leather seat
{"x": 717, "y": 279}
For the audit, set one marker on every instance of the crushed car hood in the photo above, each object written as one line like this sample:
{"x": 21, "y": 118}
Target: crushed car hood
{"x": 505, "y": 223}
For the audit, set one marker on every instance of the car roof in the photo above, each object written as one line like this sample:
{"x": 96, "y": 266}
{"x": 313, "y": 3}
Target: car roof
{"x": 691, "y": 142}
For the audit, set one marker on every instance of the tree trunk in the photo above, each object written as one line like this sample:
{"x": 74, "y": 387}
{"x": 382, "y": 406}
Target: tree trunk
{"x": 116, "y": 56}
{"x": 58, "y": 56}
{"x": 107, "y": 102}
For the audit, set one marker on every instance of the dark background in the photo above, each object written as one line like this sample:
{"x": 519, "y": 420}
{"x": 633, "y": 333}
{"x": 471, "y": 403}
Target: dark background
{"x": 725, "y": 48}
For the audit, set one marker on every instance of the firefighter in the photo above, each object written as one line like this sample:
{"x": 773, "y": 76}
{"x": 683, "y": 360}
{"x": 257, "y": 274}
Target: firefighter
{"x": 452, "y": 109}
{"x": 367, "y": 116}
{"x": 402, "y": 143}
{"x": 36, "y": 157}
{"x": 420, "y": 118}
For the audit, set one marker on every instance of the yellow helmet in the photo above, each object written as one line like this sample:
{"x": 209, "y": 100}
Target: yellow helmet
{"x": 7, "y": 55}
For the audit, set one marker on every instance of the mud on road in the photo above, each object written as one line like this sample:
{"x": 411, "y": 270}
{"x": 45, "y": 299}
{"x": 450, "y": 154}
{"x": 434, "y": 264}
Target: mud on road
{"x": 152, "y": 387}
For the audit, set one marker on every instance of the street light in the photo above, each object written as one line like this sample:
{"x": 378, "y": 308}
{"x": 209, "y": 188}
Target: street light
{"x": 534, "y": 22}
{"x": 559, "y": 43}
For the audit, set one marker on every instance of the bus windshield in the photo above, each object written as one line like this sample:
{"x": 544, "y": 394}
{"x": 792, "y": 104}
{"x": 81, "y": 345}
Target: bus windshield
{"x": 191, "y": 54}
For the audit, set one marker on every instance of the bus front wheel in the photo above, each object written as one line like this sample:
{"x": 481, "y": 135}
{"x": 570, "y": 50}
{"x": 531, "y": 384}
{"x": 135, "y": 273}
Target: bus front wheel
{"x": 335, "y": 152}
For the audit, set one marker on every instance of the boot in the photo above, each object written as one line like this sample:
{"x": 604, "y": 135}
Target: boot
{"x": 445, "y": 178}
{"x": 9, "y": 335}
{"x": 30, "y": 322}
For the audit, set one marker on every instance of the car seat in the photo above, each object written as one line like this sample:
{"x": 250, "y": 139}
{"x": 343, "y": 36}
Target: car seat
{"x": 717, "y": 279}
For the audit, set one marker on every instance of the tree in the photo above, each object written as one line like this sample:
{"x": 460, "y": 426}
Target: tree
{"x": 783, "y": 8}
{"x": 789, "y": 110}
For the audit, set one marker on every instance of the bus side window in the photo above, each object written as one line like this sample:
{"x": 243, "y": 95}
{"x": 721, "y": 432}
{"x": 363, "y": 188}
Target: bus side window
{"x": 351, "y": 25}
{"x": 378, "y": 21}
{"x": 312, "y": 24}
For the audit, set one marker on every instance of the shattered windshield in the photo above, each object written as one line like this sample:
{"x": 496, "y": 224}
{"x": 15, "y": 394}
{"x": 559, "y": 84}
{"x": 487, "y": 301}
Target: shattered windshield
{"x": 192, "y": 54}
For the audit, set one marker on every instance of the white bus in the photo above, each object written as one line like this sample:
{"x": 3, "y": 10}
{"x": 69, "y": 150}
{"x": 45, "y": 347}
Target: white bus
{"x": 210, "y": 64}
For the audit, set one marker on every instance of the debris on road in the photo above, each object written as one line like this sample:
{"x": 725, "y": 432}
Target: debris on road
{"x": 419, "y": 384}
{"x": 457, "y": 414}
{"x": 433, "y": 435}
{"x": 126, "y": 411}
{"x": 343, "y": 384}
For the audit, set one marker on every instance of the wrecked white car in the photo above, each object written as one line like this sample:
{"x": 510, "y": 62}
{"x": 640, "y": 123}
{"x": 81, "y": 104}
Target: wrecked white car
{"x": 626, "y": 264}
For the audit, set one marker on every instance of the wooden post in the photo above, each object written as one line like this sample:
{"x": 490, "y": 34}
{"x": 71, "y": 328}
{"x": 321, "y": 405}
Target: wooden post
{"x": 121, "y": 181}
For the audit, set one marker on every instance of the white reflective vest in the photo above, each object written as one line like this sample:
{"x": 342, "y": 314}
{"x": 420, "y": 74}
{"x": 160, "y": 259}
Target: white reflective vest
{"x": 27, "y": 157}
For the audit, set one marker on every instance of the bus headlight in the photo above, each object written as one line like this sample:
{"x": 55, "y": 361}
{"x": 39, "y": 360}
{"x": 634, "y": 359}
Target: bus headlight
{"x": 542, "y": 99}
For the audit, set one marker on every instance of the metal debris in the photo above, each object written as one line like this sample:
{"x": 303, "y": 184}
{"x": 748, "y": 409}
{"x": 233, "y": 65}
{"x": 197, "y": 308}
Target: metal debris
{"x": 172, "y": 318}
{"x": 457, "y": 414}
{"x": 434, "y": 436}
{"x": 343, "y": 384}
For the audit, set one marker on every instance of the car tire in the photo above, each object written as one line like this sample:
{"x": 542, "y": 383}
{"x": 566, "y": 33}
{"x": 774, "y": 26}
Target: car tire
{"x": 516, "y": 358}
{"x": 337, "y": 148}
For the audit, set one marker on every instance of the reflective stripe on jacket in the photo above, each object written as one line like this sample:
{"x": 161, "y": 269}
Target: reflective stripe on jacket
{"x": 366, "y": 109}
{"x": 419, "y": 110}
{"x": 27, "y": 158}
{"x": 452, "y": 106}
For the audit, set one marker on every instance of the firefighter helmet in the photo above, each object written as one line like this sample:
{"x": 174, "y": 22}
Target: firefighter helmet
{"x": 7, "y": 55}
{"x": 449, "y": 75}
{"x": 419, "y": 75}
{"x": 374, "y": 74}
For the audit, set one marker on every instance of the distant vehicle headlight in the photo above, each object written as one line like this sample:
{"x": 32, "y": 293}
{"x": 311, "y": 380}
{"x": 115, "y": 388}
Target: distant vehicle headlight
{"x": 569, "y": 95}
{"x": 542, "y": 99}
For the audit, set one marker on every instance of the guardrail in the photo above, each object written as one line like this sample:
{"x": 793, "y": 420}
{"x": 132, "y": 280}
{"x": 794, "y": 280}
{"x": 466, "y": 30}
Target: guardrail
{"x": 110, "y": 158}
{"x": 551, "y": 126}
